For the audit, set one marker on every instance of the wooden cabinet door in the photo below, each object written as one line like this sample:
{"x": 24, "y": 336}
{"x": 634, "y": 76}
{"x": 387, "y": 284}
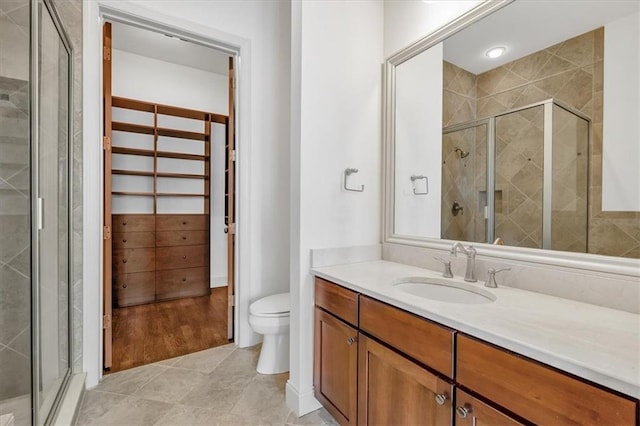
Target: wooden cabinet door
{"x": 393, "y": 390}
{"x": 336, "y": 367}
{"x": 472, "y": 412}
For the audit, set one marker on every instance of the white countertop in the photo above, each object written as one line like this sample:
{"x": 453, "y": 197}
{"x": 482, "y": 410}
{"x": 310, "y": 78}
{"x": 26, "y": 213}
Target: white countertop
{"x": 592, "y": 342}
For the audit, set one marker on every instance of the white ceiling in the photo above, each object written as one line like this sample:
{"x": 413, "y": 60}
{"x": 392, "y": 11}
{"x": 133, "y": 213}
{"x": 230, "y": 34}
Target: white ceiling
{"x": 159, "y": 46}
{"x": 527, "y": 26}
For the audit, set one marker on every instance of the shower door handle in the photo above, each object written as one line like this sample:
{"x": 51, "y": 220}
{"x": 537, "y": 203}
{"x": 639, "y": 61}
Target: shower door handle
{"x": 40, "y": 213}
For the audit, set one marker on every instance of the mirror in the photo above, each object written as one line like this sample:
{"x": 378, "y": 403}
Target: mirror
{"x": 536, "y": 148}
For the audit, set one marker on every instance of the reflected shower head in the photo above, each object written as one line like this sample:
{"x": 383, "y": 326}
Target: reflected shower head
{"x": 461, "y": 153}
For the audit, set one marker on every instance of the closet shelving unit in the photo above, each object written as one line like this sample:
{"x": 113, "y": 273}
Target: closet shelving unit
{"x": 162, "y": 254}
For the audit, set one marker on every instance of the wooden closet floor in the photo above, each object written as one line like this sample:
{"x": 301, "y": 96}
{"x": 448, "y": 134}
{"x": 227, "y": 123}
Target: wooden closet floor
{"x": 154, "y": 332}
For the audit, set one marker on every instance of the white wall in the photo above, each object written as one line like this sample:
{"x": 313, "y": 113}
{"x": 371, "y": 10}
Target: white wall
{"x": 148, "y": 79}
{"x": 406, "y": 22}
{"x": 336, "y": 81}
{"x": 153, "y": 80}
{"x": 260, "y": 31}
{"x": 418, "y": 140}
{"x": 621, "y": 123}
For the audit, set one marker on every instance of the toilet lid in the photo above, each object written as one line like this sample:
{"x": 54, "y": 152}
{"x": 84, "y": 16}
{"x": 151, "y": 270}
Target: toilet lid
{"x": 276, "y": 304}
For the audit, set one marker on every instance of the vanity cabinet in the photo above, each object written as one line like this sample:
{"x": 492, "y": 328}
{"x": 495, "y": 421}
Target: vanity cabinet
{"x": 376, "y": 364}
{"x": 471, "y": 411}
{"x": 534, "y": 391}
{"x": 335, "y": 375}
{"x": 392, "y": 390}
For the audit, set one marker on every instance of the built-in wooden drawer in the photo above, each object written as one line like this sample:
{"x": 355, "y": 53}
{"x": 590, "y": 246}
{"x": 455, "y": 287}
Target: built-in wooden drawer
{"x": 337, "y": 300}
{"x": 176, "y": 283}
{"x": 421, "y": 339}
{"x": 471, "y": 411}
{"x": 182, "y": 257}
{"x": 192, "y": 222}
{"x": 123, "y": 240}
{"x": 133, "y": 222}
{"x": 181, "y": 238}
{"x": 126, "y": 261}
{"x": 537, "y": 392}
{"x": 134, "y": 289}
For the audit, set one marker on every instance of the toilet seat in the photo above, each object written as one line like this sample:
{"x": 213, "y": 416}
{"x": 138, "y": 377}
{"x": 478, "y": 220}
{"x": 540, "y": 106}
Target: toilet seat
{"x": 276, "y": 305}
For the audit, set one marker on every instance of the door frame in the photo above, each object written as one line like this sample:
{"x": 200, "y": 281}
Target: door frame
{"x": 94, "y": 15}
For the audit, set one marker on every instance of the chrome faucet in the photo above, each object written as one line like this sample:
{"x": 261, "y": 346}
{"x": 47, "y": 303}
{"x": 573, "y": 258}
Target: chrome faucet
{"x": 470, "y": 252}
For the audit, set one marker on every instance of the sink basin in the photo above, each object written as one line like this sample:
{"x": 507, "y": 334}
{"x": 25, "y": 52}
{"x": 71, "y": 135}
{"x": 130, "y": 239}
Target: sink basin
{"x": 444, "y": 290}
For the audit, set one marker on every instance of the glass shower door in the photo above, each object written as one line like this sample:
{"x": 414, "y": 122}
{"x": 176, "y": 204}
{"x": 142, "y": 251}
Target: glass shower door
{"x": 53, "y": 242}
{"x": 519, "y": 177}
{"x": 464, "y": 180}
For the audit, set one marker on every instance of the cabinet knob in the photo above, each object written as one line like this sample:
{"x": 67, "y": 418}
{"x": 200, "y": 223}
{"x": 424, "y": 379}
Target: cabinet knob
{"x": 184, "y": 257}
{"x": 441, "y": 398}
{"x": 124, "y": 241}
{"x": 124, "y": 260}
{"x": 184, "y": 222}
{"x": 351, "y": 340}
{"x": 124, "y": 223}
{"x": 124, "y": 286}
{"x": 463, "y": 412}
{"x": 184, "y": 280}
{"x": 184, "y": 238}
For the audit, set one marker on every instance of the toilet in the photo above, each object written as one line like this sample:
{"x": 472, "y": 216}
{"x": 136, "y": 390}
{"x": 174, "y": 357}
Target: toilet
{"x": 269, "y": 316}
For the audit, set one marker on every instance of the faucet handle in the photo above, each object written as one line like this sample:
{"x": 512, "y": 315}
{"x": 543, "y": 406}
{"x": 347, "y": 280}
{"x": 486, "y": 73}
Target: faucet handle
{"x": 491, "y": 279}
{"x": 447, "y": 267}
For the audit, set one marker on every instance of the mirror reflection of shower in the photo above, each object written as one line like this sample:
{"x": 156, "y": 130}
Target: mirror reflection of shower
{"x": 461, "y": 153}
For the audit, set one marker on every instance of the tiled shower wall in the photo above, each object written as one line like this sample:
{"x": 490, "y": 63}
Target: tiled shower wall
{"x": 15, "y": 292}
{"x": 572, "y": 72}
{"x": 15, "y": 295}
{"x": 70, "y": 12}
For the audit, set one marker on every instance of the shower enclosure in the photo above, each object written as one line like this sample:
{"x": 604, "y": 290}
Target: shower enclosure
{"x": 524, "y": 178}
{"x": 35, "y": 113}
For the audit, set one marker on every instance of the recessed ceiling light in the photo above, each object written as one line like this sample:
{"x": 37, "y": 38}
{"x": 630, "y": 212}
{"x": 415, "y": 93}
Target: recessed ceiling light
{"x": 495, "y": 52}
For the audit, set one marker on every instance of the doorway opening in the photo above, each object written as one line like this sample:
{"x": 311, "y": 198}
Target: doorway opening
{"x": 169, "y": 196}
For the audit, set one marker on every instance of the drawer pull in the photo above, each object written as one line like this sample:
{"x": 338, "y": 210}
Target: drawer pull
{"x": 124, "y": 241}
{"x": 124, "y": 260}
{"x": 463, "y": 412}
{"x": 351, "y": 340}
{"x": 124, "y": 223}
{"x": 184, "y": 280}
{"x": 184, "y": 238}
{"x": 184, "y": 222}
{"x": 184, "y": 257}
{"x": 441, "y": 398}
{"x": 124, "y": 286}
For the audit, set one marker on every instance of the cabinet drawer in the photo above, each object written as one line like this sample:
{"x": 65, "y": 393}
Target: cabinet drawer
{"x": 176, "y": 283}
{"x": 191, "y": 222}
{"x": 122, "y": 240}
{"x": 536, "y": 392}
{"x": 338, "y": 300}
{"x": 421, "y": 339}
{"x": 471, "y": 412}
{"x": 134, "y": 289}
{"x": 126, "y": 261}
{"x": 133, "y": 222}
{"x": 181, "y": 238}
{"x": 182, "y": 257}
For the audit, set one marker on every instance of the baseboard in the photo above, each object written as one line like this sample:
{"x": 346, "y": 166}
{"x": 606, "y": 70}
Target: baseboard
{"x": 218, "y": 282}
{"x": 300, "y": 403}
{"x": 71, "y": 402}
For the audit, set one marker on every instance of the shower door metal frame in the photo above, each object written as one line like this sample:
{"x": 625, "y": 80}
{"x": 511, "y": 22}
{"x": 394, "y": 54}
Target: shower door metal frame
{"x": 37, "y": 212}
{"x": 547, "y": 162}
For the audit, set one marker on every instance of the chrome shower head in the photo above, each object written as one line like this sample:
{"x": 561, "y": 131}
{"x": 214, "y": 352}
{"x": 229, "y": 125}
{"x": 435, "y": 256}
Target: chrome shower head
{"x": 461, "y": 153}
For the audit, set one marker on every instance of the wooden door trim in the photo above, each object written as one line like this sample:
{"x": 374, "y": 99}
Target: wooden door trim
{"x": 107, "y": 229}
{"x": 231, "y": 202}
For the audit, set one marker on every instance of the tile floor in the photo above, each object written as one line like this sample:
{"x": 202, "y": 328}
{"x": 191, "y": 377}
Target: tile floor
{"x": 217, "y": 386}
